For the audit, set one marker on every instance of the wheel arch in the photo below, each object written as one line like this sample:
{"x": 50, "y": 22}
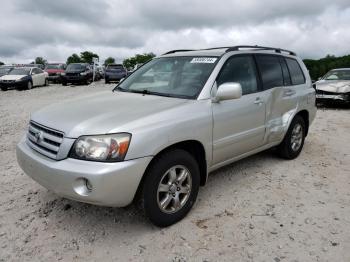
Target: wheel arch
{"x": 194, "y": 147}
{"x": 305, "y": 115}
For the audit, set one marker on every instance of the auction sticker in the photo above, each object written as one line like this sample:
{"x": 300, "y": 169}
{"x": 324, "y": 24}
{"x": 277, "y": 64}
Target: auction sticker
{"x": 204, "y": 60}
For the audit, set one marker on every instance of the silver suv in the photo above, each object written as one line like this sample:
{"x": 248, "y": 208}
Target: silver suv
{"x": 161, "y": 131}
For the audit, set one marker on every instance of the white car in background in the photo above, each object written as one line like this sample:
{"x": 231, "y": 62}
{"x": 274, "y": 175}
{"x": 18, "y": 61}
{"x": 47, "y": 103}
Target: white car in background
{"x": 334, "y": 86}
{"x": 24, "y": 78}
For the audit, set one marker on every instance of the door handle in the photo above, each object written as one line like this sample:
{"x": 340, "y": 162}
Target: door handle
{"x": 258, "y": 101}
{"x": 289, "y": 93}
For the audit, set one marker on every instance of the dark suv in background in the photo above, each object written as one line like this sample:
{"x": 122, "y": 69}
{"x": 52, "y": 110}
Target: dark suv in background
{"x": 114, "y": 72}
{"x": 81, "y": 73}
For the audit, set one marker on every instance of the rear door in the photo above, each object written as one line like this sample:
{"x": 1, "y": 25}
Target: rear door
{"x": 238, "y": 124}
{"x": 279, "y": 93}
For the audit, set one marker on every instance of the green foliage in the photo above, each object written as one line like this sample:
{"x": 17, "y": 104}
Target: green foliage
{"x": 74, "y": 58}
{"x": 130, "y": 63}
{"x": 109, "y": 60}
{"x": 40, "y": 61}
{"x": 87, "y": 56}
{"x": 2, "y": 63}
{"x": 318, "y": 68}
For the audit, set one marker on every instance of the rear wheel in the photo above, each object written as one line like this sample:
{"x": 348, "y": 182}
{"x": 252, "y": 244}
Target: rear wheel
{"x": 293, "y": 142}
{"x": 170, "y": 187}
{"x": 3, "y": 88}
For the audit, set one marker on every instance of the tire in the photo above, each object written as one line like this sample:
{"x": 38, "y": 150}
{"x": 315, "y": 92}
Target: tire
{"x": 46, "y": 82}
{"x": 153, "y": 194}
{"x": 106, "y": 82}
{"x": 293, "y": 142}
{"x": 64, "y": 83}
{"x": 3, "y": 88}
{"x": 29, "y": 85}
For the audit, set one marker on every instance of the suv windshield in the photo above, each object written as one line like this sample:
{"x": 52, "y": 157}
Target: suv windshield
{"x": 72, "y": 67}
{"x": 182, "y": 77}
{"x": 19, "y": 71}
{"x": 338, "y": 75}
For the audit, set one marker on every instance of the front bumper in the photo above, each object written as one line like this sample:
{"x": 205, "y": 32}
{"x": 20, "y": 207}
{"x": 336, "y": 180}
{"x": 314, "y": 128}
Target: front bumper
{"x": 75, "y": 79}
{"x": 113, "y": 184}
{"x": 333, "y": 97}
{"x": 114, "y": 77}
{"x": 54, "y": 77}
{"x": 16, "y": 84}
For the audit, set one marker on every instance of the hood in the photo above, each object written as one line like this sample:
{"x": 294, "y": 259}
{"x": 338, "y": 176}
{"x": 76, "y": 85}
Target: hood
{"x": 50, "y": 71}
{"x": 12, "y": 77}
{"x": 102, "y": 113}
{"x": 335, "y": 86}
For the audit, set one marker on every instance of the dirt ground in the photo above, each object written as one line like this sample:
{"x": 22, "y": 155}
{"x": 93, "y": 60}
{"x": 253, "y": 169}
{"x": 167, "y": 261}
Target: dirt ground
{"x": 259, "y": 209}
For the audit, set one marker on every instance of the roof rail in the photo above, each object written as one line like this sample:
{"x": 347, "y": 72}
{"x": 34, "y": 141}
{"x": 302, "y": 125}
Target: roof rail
{"x": 177, "y": 50}
{"x": 277, "y": 50}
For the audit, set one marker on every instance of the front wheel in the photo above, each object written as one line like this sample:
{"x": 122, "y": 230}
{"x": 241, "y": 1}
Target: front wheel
{"x": 29, "y": 85}
{"x": 293, "y": 142}
{"x": 3, "y": 88}
{"x": 171, "y": 187}
{"x": 46, "y": 82}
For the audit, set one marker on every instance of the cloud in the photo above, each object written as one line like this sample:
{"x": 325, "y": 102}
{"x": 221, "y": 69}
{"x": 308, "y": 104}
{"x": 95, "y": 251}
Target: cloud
{"x": 120, "y": 28}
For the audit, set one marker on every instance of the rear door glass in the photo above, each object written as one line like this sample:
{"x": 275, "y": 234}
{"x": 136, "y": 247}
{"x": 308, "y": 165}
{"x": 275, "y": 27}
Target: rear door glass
{"x": 270, "y": 70}
{"x": 286, "y": 76}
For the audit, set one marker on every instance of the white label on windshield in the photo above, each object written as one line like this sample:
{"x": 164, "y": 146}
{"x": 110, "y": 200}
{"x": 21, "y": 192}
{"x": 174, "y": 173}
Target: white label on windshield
{"x": 205, "y": 60}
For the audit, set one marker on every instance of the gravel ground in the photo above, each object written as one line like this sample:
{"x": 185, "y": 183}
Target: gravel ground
{"x": 259, "y": 209}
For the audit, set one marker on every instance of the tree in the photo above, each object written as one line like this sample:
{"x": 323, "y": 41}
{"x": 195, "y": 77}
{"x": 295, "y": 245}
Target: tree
{"x": 87, "y": 56}
{"x": 40, "y": 61}
{"x": 74, "y": 58}
{"x": 137, "y": 59}
{"x": 318, "y": 68}
{"x": 1, "y": 63}
{"x": 109, "y": 60}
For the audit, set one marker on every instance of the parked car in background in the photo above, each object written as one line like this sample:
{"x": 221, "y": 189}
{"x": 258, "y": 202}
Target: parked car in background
{"x": 24, "y": 78}
{"x": 55, "y": 70}
{"x": 334, "y": 86}
{"x": 4, "y": 70}
{"x": 155, "y": 140}
{"x": 41, "y": 66}
{"x": 114, "y": 72}
{"x": 77, "y": 73}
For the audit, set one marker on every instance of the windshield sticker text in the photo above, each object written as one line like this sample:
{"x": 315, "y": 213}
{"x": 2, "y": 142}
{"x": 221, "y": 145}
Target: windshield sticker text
{"x": 205, "y": 60}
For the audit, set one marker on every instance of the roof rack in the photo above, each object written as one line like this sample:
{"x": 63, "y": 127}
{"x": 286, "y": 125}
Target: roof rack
{"x": 235, "y": 48}
{"x": 277, "y": 50}
{"x": 178, "y": 50}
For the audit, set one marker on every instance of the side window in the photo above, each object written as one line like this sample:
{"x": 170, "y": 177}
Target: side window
{"x": 296, "y": 73}
{"x": 271, "y": 71}
{"x": 286, "y": 76}
{"x": 34, "y": 72}
{"x": 240, "y": 69}
{"x": 39, "y": 71}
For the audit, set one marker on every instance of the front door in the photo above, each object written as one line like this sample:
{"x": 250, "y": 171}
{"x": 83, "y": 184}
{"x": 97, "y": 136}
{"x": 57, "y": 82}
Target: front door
{"x": 239, "y": 124}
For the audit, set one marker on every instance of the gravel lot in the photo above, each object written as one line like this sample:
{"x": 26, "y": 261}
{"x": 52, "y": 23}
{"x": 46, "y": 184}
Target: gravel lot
{"x": 258, "y": 209}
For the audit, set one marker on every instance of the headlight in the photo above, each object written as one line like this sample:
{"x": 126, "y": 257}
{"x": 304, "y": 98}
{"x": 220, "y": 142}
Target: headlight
{"x": 104, "y": 148}
{"x": 83, "y": 74}
{"x": 63, "y": 74}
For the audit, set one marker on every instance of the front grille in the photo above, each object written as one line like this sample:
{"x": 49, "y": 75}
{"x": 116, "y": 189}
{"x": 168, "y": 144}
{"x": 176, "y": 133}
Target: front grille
{"x": 72, "y": 74}
{"x": 52, "y": 74}
{"x": 44, "y": 140}
{"x": 9, "y": 81}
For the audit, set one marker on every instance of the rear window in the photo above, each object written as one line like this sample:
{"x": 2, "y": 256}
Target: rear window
{"x": 271, "y": 71}
{"x": 286, "y": 76}
{"x": 296, "y": 73}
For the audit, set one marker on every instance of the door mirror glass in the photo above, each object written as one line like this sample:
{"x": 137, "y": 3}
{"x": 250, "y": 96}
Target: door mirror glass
{"x": 228, "y": 91}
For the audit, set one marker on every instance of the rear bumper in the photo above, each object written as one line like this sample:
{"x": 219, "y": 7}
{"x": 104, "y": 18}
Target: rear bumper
{"x": 74, "y": 79}
{"x": 113, "y": 184}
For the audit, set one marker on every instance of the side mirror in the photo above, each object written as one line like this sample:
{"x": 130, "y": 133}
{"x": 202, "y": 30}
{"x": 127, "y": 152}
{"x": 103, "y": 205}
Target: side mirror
{"x": 228, "y": 91}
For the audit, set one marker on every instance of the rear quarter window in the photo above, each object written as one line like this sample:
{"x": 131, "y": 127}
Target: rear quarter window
{"x": 296, "y": 74}
{"x": 270, "y": 70}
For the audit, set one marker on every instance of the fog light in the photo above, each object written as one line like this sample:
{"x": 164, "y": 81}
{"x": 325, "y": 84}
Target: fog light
{"x": 82, "y": 186}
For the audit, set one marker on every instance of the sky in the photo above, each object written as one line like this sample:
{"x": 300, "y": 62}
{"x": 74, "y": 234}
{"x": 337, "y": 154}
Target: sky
{"x": 54, "y": 29}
